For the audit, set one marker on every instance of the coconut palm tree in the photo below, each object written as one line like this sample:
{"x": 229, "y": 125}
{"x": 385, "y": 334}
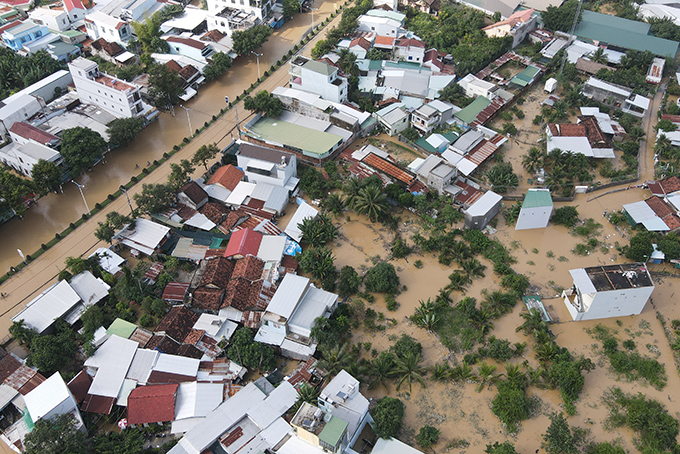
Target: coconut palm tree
{"x": 444, "y": 297}
{"x": 460, "y": 251}
{"x": 462, "y": 372}
{"x": 481, "y": 321}
{"x": 514, "y": 373}
{"x": 546, "y": 351}
{"x": 359, "y": 369}
{"x": 486, "y": 376}
{"x": 458, "y": 282}
{"x": 441, "y": 372}
{"x": 662, "y": 145}
{"x": 533, "y": 160}
{"x": 333, "y": 204}
{"x": 408, "y": 370}
{"x": 636, "y": 134}
{"x": 473, "y": 267}
{"x": 533, "y": 321}
{"x": 335, "y": 358}
{"x": 382, "y": 370}
{"x": 498, "y": 303}
{"x": 306, "y": 393}
{"x": 372, "y": 202}
{"x": 351, "y": 190}
{"x": 599, "y": 56}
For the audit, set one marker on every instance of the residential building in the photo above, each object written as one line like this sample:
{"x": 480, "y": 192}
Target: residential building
{"x": 393, "y": 446}
{"x": 359, "y": 47}
{"x": 383, "y": 26}
{"x": 616, "y": 96}
{"x": 585, "y": 138}
{"x": 45, "y": 88}
{"x": 243, "y": 243}
{"x": 288, "y": 321}
{"x": 311, "y": 426}
{"x": 53, "y": 19}
{"x": 192, "y": 195}
{"x": 426, "y": 6}
{"x": 489, "y": 7}
{"x": 341, "y": 399}
{"x": 410, "y": 49}
{"x": 304, "y": 211}
{"x": 473, "y": 148}
{"x": 24, "y": 33}
{"x": 120, "y": 98}
{"x": 518, "y": 25}
{"x": 22, "y": 157}
{"x": 101, "y": 25}
{"x": 536, "y": 210}
{"x": 655, "y": 72}
{"x": 228, "y": 19}
{"x": 608, "y": 291}
{"x": 318, "y": 77}
{"x": 143, "y": 236}
{"x": 227, "y": 177}
{"x": 267, "y": 165}
{"x": 393, "y": 118}
{"x": 426, "y": 119}
{"x": 75, "y": 10}
{"x": 475, "y": 87}
{"x": 17, "y": 108}
{"x": 436, "y": 173}
{"x": 655, "y": 214}
{"x": 260, "y": 9}
{"x": 480, "y": 213}
{"x": 197, "y": 50}
{"x": 19, "y": 5}
{"x": 152, "y": 404}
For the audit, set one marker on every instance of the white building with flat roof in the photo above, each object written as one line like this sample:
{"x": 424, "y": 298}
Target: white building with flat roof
{"x": 22, "y": 157}
{"x": 52, "y": 398}
{"x": 318, "y": 77}
{"x": 54, "y": 19}
{"x": 101, "y": 25}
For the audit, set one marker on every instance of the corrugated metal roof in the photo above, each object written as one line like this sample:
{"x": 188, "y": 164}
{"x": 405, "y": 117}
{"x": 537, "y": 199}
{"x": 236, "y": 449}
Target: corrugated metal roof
{"x": 537, "y": 198}
{"x": 90, "y": 289}
{"x": 142, "y": 364}
{"x": 484, "y": 204}
{"x": 47, "y": 396}
{"x": 271, "y": 248}
{"x": 179, "y": 365}
{"x": 50, "y": 305}
{"x": 113, "y": 359}
{"x": 303, "y": 212}
{"x": 287, "y": 296}
{"x": 197, "y": 399}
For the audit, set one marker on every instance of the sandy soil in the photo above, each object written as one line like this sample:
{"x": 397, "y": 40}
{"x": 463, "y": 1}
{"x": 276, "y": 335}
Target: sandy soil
{"x": 456, "y": 409}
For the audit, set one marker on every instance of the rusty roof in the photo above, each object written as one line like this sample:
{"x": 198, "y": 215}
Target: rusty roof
{"x": 206, "y": 298}
{"x": 216, "y": 212}
{"x": 567, "y": 130}
{"x": 289, "y": 263}
{"x": 388, "y": 168}
{"x": 227, "y": 176}
{"x": 8, "y": 365}
{"x": 175, "y": 291}
{"x": 233, "y": 219}
{"x": 242, "y": 294}
{"x": 152, "y": 404}
{"x": 483, "y": 150}
{"x": 194, "y": 192}
{"x": 177, "y": 323}
{"x": 249, "y": 267}
{"x": 594, "y": 134}
{"x": 98, "y": 404}
{"x": 141, "y": 336}
{"x": 670, "y": 185}
{"x": 79, "y": 385}
{"x": 34, "y": 379}
{"x": 217, "y": 273}
{"x": 194, "y": 336}
{"x": 158, "y": 377}
{"x": 659, "y": 206}
{"x": 213, "y": 35}
{"x": 163, "y": 344}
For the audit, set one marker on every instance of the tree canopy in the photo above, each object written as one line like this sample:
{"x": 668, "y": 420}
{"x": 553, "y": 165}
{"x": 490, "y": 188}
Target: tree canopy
{"x": 246, "y": 352}
{"x": 388, "y": 416}
{"x": 52, "y": 352}
{"x": 81, "y": 148}
{"x": 204, "y": 154}
{"x": 219, "y": 63}
{"x": 290, "y": 8}
{"x": 560, "y": 18}
{"x": 247, "y": 41}
{"x": 165, "y": 86}
{"x": 318, "y": 231}
{"x": 14, "y": 191}
{"x": 382, "y": 278}
{"x": 17, "y": 71}
{"x": 264, "y": 102}
{"x": 47, "y": 176}
{"x": 114, "y": 222}
{"x": 56, "y": 435}
{"x": 155, "y": 198}
{"x": 122, "y": 131}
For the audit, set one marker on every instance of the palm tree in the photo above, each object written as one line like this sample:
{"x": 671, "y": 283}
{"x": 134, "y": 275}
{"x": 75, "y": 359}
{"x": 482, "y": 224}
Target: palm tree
{"x": 533, "y": 321}
{"x": 382, "y": 370}
{"x": 306, "y": 393}
{"x": 498, "y": 303}
{"x": 662, "y": 145}
{"x": 351, "y": 190}
{"x": 599, "y": 56}
{"x": 514, "y": 373}
{"x": 441, "y": 372}
{"x": 546, "y": 351}
{"x": 333, "y": 204}
{"x": 408, "y": 369}
{"x": 463, "y": 372}
{"x": 481, "y": 321}
{"x": 520, "y": 348}
{"x": 359, "y": 369}
{"x": 444, "y": 297}
{"x": 429, "y": 321}
{"x": 460, "y": 251}
{"x": 473, "y": 267}
{"x": 458, "y": 282}
{"x": 533, "y": 160}
{"x": 335, "y": 358}
{"x": 487, "y": 376}
{"x": 372, "y": 202}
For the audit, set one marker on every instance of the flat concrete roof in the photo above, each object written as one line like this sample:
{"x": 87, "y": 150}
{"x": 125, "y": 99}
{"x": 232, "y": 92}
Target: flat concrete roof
{"x": 300, "y": 137}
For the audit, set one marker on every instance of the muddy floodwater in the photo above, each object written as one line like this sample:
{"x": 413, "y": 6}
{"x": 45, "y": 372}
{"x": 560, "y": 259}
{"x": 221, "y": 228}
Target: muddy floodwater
{"x": 545, "y": 256}
{"x": 54, "y": 213}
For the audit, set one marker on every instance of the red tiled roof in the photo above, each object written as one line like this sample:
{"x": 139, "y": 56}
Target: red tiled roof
{"x": 594, "y": 134}
{"x": 187, "y": 41}
{"x": 244, "y": 242}
{"x": 670, "y": 185}
{"x": 79, "y": 385}
{"x": 177, "y": 323}
{"x": 173, "y": 66}
{"x": 213, "y": 35}
{"x": 152, "y": 403}
{"x": 233, "y": 218}
{"x": 15, "y": 2}
{"x": 227, "y": 176}
{"x": 216, "y": 212}
{"x": 264, "y": 226}
{"x": 659, "y": 206}
{"x": 188, "y": 72}
{"x": 249, "y": 267}
{"x": 218, "y": 271}
{"x": 567, "y": 130}
{"x": 388, "y": 168}
{"x": 242, "y": 294}
{"x": 411, "y": 42}
{"x": 361, "y": 42}
{"x": 194, "y": 336}
{"x": 73, "y": 4}
{"x": 194, "y": 192}
{"x": 673, "y": 222}
{"x": 98, "y": 404}
{"x": 30, "y": 132}
{"x": 206, "y": 298}
{"x": 384, "y": 40}
{"x": 175, "y": 291}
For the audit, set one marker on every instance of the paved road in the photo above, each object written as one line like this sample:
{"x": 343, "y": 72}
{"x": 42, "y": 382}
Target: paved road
{"x": 646, "y": 156}
{"x": 42, "y": 272}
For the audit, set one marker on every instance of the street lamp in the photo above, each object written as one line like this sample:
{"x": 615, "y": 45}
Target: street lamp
{"x": 188, "y": 118}
{"x": 258, "y": 62}
{"x": 80, "y": 188}
{"x": 313, "y": 9}
{"x": 122, "y": 188}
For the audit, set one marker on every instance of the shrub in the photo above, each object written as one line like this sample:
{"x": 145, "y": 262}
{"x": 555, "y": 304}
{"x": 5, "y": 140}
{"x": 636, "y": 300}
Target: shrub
{"x": 388, "y": 416}
{"x": 382, "y": 278}
{"x": 427, "y": 436}
{"x": 566, "y": 216}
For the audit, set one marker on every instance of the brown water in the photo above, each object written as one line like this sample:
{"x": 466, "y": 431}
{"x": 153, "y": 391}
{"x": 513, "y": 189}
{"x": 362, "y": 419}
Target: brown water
{"x": 54, "y": 213}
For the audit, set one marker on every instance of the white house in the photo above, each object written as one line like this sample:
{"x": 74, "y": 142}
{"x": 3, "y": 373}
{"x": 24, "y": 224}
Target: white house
{"x": 483, "y": 210}
{"x": 518, "y": 25}
{"x": 267, "y": 165}
{"x": 197, "y": 50}
{"x": 383, "y": 26}
{"x": 143, "y": 235}
{"x": 75, "y": 10}
{"x": 437, "y": 173}
{"x": 394, "y": 118}
{"x": 112, "y": 29}
{"x": 22, "y": 157}
{"x": 318, "y": 77}
{"x": 54, "y": 19}
{"x": 426, "y": 119}
{"x": 52, "y": 398}
{"x": 608, "y": 291}
{"x": 288, "y": 321}
{"x": 259, "y": 8}
{"x": 120, "y": 98}
{"x": 475, "y": 87}
{"x": 17, "y": 108}
{"x": 536, "y": 210}
{"x": 341, "y": 398}
{"x": 410, "y": 49}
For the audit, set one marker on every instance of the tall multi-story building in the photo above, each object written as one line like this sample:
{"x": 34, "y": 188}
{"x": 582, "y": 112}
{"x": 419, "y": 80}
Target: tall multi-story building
{"x": 318, "y": 77}
{"x": 118, "y": 97}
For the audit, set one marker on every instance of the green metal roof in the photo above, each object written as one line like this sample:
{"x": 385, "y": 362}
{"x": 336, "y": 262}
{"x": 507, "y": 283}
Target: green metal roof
{"x": 305, "y": 139}
{"x": 121, "y": 328}
{"x": 537, "y": 198}
{"x": 72, "y": 33}
{"x": 624, "y": 33}
{"x": 525, "y": 77}
{"x": 406, "y": 65}
{"x": 469, "y": 113}
{"x": 319, "y": 67}
{"x": 332, "y": 433}
{"x": 425, "y": 145}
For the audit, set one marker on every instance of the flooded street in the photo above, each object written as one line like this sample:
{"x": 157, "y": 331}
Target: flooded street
{"x": 54, "y": 213}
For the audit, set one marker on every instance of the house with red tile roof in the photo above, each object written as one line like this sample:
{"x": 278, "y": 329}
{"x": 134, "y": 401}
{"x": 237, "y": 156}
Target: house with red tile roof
{"x": 192, "y": 195}
{"x": 75, "y": 9}
{"x": 188, "y": 47}
{"x": 152, "y": 404}
{"x": 585, "y": 138}
{"x": 518, "y": 25}
{"x": 410, "y": 49}
{"x": 227, "y": 176}
{"x": 360, "y": 46}
{"x": 242, "y": 243}
{"x": 22, "y": 133}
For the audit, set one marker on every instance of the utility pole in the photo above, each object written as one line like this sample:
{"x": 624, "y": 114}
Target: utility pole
{"x": 258, "y": 61}
{"x": 80, "y": 188}
{"x": 188, "y": 118}
{"x": 571, "y": 33}
{"x": 313, "y": 9}
{"x": 122, "y": 188}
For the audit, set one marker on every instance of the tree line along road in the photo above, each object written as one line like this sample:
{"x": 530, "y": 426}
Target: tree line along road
{"x": 42, "y": 272}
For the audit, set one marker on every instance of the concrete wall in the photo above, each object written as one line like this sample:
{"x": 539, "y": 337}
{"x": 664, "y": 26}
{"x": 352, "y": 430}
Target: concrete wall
{"x": 617, "y": 303}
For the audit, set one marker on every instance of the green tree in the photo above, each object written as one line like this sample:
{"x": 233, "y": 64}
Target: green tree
{"x": 318, "y": 231}
{"x": 249, "y": 40}
{"x": 349, "y": 281}
{"x": 502, "y": 178}
{"x": 114, "y": 222}
{"x": 640, "y": 248}
{"x": 122, "y": 131}
{"x": 264, "y": 102}
{"x": 204, "y": 154}
{"x": 219, "y": 63}
{"x": 566, "y": 216}
{"x": 411, "y": 134}
{"x": 246, "y": 352}
{"x": 382, "y": 369}
{"x": 165, "y": 86}
{"x": 561, "y": 18}
{"x": 509, "y": 129}
{"x": 501, "y": 448}
{"x": 22, "y": 333}
{"x": 149, "y": 33}
{"x": 180, "y": 174}
{"x": 57, "y": 435}
{"x": 409, "y": 370}
{"x": 318, "y": 262}
{"x": 388, "y": 416}
{"x": 81, "y": 148}
{"x": 533, "y": 160}
{"x": 427, "y": 436}
{"x": 382, "y": 278}
{"x": 510, "y": 405}
{"x": 51, "y": 352}
{"x": 560, "y": 438}
{"x": 335, "y": 358}
{"x": 47, "y": 176}
{"x": 372, "y": 202}
{"x": 290, "y": 8}
{"x": 154, "y": 198}
{"x": 15, "y": 191}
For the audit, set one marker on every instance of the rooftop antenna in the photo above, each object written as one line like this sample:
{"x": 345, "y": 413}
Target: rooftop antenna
{"x": 571, "y": 32}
